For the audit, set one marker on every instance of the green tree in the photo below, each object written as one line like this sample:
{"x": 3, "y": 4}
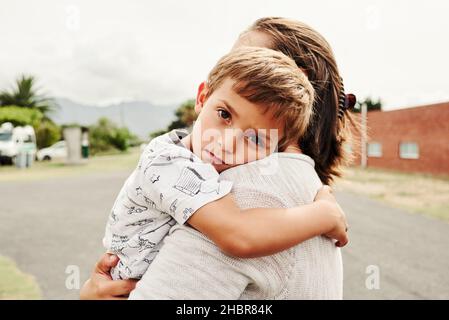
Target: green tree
{"x": 25, "y": 94}
{"x": 185, "y": 116}
{"x": 371, "y": 104}
{"x": 20, "y": 116}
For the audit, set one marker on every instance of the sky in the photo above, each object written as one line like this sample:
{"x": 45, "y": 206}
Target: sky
{"x": 102, "y": 52}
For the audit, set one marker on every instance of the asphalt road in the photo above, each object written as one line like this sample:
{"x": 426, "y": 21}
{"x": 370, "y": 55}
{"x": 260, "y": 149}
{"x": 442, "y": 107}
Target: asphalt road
{"x": 55, "y": 226}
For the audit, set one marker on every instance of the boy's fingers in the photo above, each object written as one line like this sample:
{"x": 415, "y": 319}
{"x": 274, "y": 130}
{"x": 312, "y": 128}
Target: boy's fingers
{"x": 325, "y": 193}
{"x": 326, "y": 189}
{"x": 106, "y": 262}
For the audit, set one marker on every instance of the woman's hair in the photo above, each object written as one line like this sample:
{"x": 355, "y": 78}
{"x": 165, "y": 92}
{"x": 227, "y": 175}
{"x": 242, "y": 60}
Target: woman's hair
{"x": 327, "y": 133}
{"x": 271, "y": 80}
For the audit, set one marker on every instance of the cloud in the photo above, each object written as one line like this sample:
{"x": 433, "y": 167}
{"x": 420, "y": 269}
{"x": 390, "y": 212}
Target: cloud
{"x": 102, "y": 51}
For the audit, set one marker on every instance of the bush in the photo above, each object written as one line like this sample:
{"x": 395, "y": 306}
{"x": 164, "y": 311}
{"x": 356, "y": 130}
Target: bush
{"x": 47, "y": 133}
{"x": 20, "y": 116}
{"x": 106, "y": 136}
{"x": 120, "y": 139}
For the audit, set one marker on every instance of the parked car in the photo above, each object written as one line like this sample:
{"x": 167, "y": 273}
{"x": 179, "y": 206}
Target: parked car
{"x": 15, "y": 140}
{"x": 56, "y": 151}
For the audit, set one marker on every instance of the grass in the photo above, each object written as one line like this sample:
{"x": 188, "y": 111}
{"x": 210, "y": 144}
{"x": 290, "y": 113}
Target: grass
{"x": 53, "y": 169}
{"x": 419, "y": 193}
{"x": 16, "y": 285}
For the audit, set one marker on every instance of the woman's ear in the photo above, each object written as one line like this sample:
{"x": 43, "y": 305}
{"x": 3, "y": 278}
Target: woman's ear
{"x": 201, "y": 97}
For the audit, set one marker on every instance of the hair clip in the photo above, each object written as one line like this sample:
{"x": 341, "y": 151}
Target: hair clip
{"x": 345, "y": 101}
{"x": 350, "y": 101}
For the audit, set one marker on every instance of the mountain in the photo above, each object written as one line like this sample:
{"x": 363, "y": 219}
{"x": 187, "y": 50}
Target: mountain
{"x": 140, "y": 117}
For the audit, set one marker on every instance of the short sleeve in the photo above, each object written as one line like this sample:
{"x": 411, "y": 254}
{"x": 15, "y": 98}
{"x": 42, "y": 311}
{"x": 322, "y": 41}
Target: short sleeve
{"x": 180, "y": 183}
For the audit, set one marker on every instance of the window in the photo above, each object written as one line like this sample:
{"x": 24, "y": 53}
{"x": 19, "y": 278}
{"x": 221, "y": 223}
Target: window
{"x": 409, "y": 150}
{"x": 59, "y": 145}
{"x": 374, "y": 149}
{"x": 28, "y": 139}
{"x": 5, "y": 136}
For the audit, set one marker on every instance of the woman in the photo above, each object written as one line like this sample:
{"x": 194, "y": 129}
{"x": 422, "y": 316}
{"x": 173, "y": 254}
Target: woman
{"x": 190, "y": 266}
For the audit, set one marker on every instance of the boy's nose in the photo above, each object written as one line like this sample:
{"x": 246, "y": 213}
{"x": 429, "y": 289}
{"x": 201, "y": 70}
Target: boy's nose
{"x": 227, "y": 145}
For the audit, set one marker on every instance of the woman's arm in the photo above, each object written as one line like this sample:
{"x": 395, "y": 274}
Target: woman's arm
{"x": 264, "y": 231}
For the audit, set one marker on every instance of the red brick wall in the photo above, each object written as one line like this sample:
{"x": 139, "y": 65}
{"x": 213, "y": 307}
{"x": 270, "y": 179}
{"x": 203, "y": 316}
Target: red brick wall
{"x": 428, "y": 126}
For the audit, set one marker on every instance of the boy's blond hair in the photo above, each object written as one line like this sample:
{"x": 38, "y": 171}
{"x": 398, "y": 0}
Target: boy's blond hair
{"x": 273, "y": 80}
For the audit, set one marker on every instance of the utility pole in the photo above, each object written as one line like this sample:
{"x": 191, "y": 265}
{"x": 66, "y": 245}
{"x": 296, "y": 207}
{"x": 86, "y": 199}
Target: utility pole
{"x": 364, "y": 135}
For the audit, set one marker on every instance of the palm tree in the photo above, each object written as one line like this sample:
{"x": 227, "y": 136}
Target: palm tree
{"x": 24, "y": 94}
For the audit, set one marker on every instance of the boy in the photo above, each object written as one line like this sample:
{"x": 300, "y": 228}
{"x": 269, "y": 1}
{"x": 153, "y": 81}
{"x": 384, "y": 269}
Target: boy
{"x": 248, "y": 92}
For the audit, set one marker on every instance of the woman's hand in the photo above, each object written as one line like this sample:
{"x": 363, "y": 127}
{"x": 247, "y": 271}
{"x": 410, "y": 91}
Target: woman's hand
{"x": 340, "y": 230}
{"x": 100, "y": 286}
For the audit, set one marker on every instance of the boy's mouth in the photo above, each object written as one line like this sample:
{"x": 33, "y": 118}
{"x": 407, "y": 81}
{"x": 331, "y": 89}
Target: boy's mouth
{"x": 214, "y": 158}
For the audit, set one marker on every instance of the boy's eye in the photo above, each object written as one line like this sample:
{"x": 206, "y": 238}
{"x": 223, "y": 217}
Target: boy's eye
{"x": 224, "y": 114}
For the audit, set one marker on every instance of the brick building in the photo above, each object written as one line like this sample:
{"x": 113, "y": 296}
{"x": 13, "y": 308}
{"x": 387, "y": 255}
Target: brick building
{"x": 413, "y": 139}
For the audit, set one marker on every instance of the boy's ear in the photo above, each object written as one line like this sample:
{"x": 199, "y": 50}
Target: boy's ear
{"x": 201, "y": 97}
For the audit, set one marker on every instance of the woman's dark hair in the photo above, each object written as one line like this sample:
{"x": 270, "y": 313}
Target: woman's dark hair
{"x": 327, "y": 135}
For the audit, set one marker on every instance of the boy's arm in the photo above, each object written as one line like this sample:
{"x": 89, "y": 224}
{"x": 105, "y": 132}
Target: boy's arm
{"x": 265, "y": 231}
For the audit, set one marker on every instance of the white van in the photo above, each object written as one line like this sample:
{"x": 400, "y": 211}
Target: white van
{"x": 14, "y": 140}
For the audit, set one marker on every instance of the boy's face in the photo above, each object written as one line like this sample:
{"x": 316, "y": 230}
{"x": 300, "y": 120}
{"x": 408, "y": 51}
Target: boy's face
{"x": 230, "y": 130}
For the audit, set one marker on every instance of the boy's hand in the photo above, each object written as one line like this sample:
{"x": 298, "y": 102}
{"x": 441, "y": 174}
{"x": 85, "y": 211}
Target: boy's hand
{"x": 340, "y": 230}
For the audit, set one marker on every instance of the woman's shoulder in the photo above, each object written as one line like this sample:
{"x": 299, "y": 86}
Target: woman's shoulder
{"x": 279, "y": 172}
{"x": 275, "y": 163}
